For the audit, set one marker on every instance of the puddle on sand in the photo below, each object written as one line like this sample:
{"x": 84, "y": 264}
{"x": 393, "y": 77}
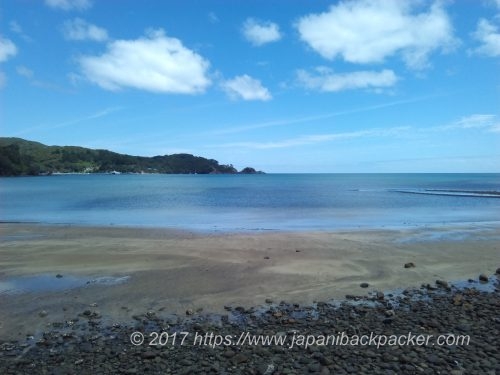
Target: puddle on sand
{"x": 53, "y": 283}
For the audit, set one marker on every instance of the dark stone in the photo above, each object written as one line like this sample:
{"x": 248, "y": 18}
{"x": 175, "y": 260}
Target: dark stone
{"x": 483, "y": 278}
{"x": 442, "y": 283}
{"x": 409, "y": 265}
{"x": 59, "y": 276}
{"x": 148, "y": 355}
{"x": 364, "y": 285}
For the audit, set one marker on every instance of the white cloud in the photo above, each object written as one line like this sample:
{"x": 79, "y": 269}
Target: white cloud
{"x": 246, "y": 88}
{"x": 488, "y": 35}
{"x": 154, "y": 63}
{"x": 78, "y": 29}
{"x": 7, "y": 49}
{"x": 369, "y": 31}
{"x": 25, "y": 72}
{"x": 69, "y": 4}
{"x": 326, "y": 80}
{"x": 259, "y": 32}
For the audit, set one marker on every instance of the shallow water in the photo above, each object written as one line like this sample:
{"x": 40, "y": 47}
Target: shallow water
{"x": 253, "y": 202}
{"x": 52, "y": 283}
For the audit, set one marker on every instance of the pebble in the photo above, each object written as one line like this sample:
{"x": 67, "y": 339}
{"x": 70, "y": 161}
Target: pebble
{"x": 364, "y": 285}
{"x": 483, "y": 278}
{"x": 409, "y": 265}
{"x": 442, "y": 283}
{"x": 100, "y": 349}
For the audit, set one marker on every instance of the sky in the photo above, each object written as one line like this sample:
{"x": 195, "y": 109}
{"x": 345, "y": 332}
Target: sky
{"x": 283, "y": 86}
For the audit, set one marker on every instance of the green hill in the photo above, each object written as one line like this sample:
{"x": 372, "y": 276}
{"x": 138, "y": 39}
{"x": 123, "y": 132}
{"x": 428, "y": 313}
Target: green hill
{"x": 19, "y": 157}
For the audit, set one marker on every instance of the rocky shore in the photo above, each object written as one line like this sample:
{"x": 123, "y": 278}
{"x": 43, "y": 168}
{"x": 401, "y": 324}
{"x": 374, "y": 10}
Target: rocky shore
{"x": 464, "y": 317}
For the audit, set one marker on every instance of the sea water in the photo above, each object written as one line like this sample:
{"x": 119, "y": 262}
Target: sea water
{"x": 253, "y": 202}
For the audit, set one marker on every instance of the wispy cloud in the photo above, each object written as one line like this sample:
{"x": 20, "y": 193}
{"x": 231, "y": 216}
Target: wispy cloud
{"x": 69, "y": 4}
{"x": 312, "y": 118}
{"x": 79, "y": 29}
{"x": 7, "y": 49}
{"x": 15, "y": 27}
{"x": 325, "y": 80}
{"x": 484, "y": 122}
{"x": 319, "y": 138}
{"x": 92, "y": 116}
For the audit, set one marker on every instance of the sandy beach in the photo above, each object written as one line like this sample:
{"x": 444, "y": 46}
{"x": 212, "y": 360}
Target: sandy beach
{"x": 170, "y": 271}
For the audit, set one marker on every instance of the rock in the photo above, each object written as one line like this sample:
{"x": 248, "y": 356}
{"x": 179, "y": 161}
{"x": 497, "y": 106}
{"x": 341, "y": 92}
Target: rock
{"x": 498, "y": 271}
{"x": 229, "y": 353}
{"x": 442, "y": 283}
{"x": 59, "y": 276}
{"x": 380, "y": 295}
{"x": 78, "y": 361}
{"x": 364, "y": 285}
{"x": 457, "y": 299}
{"x": 483, "y": 278}
{"x": 43, "y": 314}
{"x": 389, "y": 313}
{"x": 265, "y": 369}
{"x": 148, "y": 355}
{"x": 189, "y": 312}
{"x": 269, "y": 300}
{"x": 266, "y": 257}
{"x": 240, "y": 358}
{"x": 409, "y": 265}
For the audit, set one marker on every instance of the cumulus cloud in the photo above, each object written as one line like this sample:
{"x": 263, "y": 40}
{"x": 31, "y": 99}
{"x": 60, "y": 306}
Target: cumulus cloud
{"x": 7, "y": 49}
{"x": 325, "y": 79}
{"x": 69, "y": 4}
{"x": 78, "y": 29}
{"x": 488, "y": 35}
{"x": 246, "y": 88}
{"x": 154, "y": 63}
{"x": 369, "y": 31}
{"x": 260, "y": 32}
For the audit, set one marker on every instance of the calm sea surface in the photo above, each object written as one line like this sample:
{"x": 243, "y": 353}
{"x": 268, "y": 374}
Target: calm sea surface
{"x": 253, "y": 202}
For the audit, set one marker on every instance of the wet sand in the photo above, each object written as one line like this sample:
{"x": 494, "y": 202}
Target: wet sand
{"x": 173, "y": 271}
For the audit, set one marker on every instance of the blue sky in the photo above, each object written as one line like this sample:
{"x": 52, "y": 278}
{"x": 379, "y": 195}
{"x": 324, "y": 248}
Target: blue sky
{"x": 283, "y": 86}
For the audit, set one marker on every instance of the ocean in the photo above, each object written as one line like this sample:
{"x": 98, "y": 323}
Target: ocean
{"x": 253, "y": 202}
